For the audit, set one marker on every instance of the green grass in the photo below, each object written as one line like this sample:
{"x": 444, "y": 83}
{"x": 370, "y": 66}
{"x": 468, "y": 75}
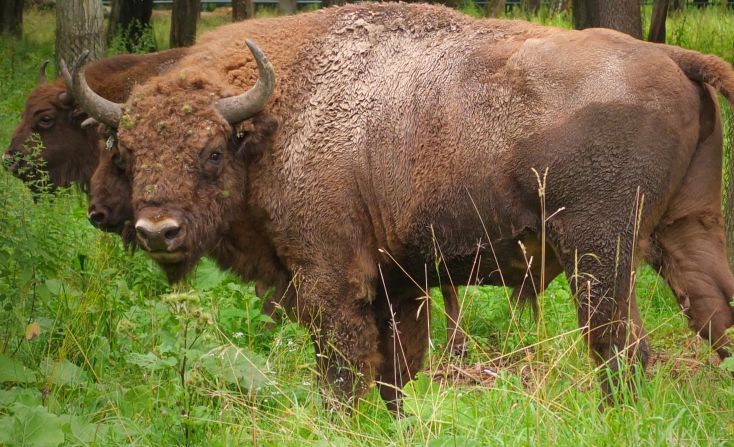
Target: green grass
{"x": 115, "y": 356}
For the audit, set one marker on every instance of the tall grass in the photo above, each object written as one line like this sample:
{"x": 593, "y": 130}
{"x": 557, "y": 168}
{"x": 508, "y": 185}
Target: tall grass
{"x": 95, "y": 348}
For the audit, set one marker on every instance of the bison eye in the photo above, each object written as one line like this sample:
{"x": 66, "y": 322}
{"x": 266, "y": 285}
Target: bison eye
{"x": 215, "y": 156}
{"x": 119, "y": 162}
{"x": 46, "y": 121}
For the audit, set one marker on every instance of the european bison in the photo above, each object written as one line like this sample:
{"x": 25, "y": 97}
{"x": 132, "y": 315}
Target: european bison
{"x": 70, "y": 150}
{"x": 110, "y": 197}
{"x": 404, "y": 145}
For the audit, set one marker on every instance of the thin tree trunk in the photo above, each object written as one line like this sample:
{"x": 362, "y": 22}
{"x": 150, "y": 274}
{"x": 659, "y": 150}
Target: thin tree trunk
{"x": 129, "y": 19}
{"x": 530, "y": 7}
{"x": 79, "y": 27}
{"x": 183, "y": 22}
{"x": 677, "y": 5}
{"x": 621, "y": 15}
{"x": 286, "y": 7}
{"x": 729, "y": 197}
{"x": 585, "y": 14}
{"x": 242, "y": 10}
{"x": 657, "y": 22}
{"x": 11, "y": 18}
{"x": 495, "y": 8}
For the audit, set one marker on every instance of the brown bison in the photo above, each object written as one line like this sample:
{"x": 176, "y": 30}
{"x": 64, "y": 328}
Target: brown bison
{"x": 69, "y": 148}
{"x": 110, "y": 197}
{"x": 404, "y": 146}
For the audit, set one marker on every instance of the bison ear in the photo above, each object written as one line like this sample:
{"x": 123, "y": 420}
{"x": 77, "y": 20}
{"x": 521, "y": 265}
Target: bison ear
{"x": 254, "y": 136}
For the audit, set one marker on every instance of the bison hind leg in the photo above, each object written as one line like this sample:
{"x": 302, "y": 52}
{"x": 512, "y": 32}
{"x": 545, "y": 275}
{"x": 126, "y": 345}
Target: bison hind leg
{"x": 456, "y": 339}
{"x": 693, "y": 262}
{"x": 599, "y": 266}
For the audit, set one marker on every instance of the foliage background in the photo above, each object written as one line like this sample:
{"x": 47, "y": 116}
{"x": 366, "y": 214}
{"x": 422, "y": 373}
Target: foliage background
{"x": 96, "y": 348}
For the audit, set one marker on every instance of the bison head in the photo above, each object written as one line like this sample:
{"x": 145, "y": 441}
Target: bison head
{"x": 183, "y": 144}
{"x": 65, "y": 150}
{"x": 110, "y": 197}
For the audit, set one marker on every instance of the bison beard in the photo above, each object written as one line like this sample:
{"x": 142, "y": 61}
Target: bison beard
{"x": 410, "y": 135}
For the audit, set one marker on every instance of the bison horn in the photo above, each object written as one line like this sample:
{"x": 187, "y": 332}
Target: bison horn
{"x": 88, "y": 122}
{"x": 42, "y": 73}
{"x": 238, "y": 108}
{"x": 97, "y": 107}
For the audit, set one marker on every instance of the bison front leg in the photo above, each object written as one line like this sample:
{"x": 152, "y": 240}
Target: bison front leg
{"x": 342, "y": 324}
{"x": 600, "y": 272}
{"x": 403, "y": 324}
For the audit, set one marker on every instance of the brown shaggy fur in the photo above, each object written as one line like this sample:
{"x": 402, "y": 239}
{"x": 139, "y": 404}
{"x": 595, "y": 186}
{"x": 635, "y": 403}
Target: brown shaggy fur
{"x": 70, "y": 153}
{"x": 409, "y": 147}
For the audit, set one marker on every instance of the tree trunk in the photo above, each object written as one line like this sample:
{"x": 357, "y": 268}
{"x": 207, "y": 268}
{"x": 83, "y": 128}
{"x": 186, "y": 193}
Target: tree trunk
{"x": 79, "y": 27}
{"x": 183, "y": 22}
{"x": 620, "y": 15}
{"x": 242, "y": 10}
{"x": 585, "y": 13}
{"x": 286, "y": 7}
{"x": 495, "y": 8}
{"x": 677, "y": 5}
{"x": 530, "y": 7}
{"x": 11, "y": 18}
{"x": 129, "y": 19}
{"x": 657, "y": 21}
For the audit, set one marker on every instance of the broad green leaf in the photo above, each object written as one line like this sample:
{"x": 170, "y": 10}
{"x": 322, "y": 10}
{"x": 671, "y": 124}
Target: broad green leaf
{"x": 727, "y": 364}
{"x": 7, "y": 430}
{"x": 150, "y": 361}
{"x": 26, "y": 396}
{"x": 54, "y": 286}
{"x": 86, "y": 432}
{"x": 208, "y": 276}
{"x": 31, "y": 426}
{"x": 137, "y": 400}
{"x": 421, "y": 396}
{"x": 63, "y": 373}
{"x": 236, "y": 366}
{"x": 13, "y": 371}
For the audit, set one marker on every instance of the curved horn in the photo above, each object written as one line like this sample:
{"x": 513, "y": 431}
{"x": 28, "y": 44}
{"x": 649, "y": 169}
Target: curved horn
{"x": 238, "y": 108}
{"x": 42, "y": 73}
{"x": 88, "y": 122}
{"x": 97, "y": 107}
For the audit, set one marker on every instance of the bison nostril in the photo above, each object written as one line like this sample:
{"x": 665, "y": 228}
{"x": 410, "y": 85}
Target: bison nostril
{"x": 165, "y": 235}
{"x": 97, "y": 218}
{"x": 142, "y": 234}
{"x": 172, "y": 233}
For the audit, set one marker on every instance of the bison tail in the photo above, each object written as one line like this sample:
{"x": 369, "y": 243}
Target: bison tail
{"x": 705, "y": 68}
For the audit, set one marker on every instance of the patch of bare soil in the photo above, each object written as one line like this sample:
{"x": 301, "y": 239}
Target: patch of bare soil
{"x": 690, "y": 358}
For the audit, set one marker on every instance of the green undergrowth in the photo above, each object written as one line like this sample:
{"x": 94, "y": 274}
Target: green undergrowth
{"x": 97, "y": 349}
